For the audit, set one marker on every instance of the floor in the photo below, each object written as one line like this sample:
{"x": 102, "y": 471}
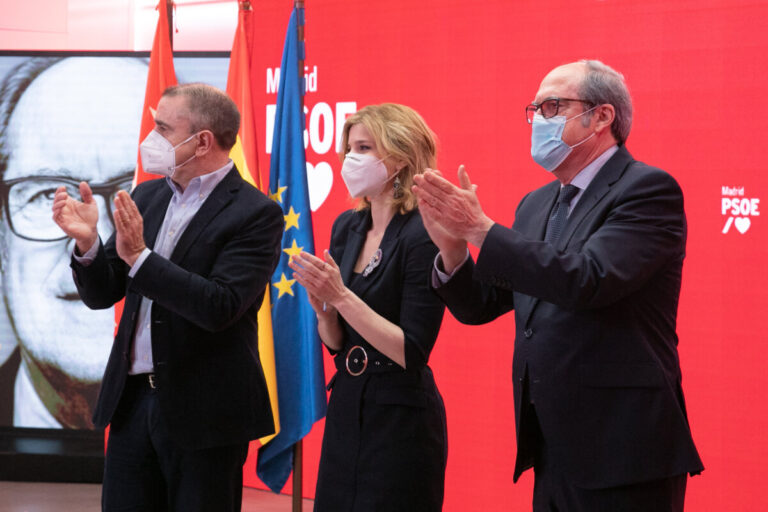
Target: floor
{"x": 54, "y": 497}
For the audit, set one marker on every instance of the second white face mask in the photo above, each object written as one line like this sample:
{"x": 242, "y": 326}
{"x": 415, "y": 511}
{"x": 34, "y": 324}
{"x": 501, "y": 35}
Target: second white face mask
{"x": 158, "y": 156}
{"x": 364, "y": 174}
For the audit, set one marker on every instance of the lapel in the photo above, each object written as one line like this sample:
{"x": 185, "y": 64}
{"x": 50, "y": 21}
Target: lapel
{"x": 354, "y": 245}
{"x": 536, "y": 228}
{"x": 154, "y": 215}
{"x": 540, "y": 217}
{"x": 596, "y": 190}
{"x": 220, "y": 197}
{"x": 388, "y": 247}
{"x": 600, "y": 185}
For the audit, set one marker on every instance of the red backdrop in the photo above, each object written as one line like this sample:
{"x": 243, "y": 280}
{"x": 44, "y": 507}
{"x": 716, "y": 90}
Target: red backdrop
{"x": 696, "y": 71}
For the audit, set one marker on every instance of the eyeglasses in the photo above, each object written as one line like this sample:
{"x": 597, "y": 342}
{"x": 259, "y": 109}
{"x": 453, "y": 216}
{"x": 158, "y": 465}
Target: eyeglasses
{"x": 549, "y": 107}
{"x": 28, "y": 203}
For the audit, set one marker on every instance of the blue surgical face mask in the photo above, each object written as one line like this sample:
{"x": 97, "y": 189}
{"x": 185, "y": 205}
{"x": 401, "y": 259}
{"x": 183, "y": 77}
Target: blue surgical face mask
{"x": 547, "y": 146}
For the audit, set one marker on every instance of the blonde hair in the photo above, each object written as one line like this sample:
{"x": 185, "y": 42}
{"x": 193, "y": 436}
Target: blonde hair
{"x": 401, "y": 137}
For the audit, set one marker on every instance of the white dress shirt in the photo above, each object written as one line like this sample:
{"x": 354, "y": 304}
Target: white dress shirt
{"x": 182, "y": 208}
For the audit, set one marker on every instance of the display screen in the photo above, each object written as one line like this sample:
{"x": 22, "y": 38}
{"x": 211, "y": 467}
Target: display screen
{"x": 64, "y": 118}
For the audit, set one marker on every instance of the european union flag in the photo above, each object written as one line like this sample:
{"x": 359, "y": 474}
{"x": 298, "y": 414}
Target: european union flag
{"x": 298, "y": 357}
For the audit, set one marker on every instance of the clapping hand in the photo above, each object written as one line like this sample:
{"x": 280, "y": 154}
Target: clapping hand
{"x": 78, "y": 219}
{"x": 129, "y": 225}
{"x": 322, "y": 279}
{"x": 452, "y": 215}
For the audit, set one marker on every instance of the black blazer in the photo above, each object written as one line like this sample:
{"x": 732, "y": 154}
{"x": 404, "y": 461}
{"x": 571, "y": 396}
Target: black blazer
{"x": 595, "y": 323}
{"x": 397, "y": 281}
{"x": 211, "y": 387}
{"x": 385, "y": 443}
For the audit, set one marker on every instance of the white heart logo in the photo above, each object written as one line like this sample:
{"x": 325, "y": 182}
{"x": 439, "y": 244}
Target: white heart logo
{"x": 742, "y": 224}
{"x": 320, "y": 181}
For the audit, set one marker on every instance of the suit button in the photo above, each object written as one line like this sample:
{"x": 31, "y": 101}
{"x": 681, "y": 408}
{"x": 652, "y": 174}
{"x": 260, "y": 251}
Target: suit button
{"x": 528, "y": 332}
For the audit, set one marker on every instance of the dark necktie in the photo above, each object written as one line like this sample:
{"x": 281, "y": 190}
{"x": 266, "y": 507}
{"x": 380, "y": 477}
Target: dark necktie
{"x": 560, "y": 213}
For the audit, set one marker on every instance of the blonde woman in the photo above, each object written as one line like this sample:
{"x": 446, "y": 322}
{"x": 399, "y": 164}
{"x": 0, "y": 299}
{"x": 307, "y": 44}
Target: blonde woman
{"x": 385, "y": 442}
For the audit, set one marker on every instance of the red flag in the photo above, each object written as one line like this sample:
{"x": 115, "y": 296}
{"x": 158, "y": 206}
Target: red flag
{"x": 161, "y": 76}
{"x": 239, "y": 89}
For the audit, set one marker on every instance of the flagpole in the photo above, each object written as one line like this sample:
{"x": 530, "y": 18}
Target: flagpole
{"x": 169, "y": 12}
{"x": 299, "y": 4}
{"x": 298, "y": 470}
{"x": 298, "y": 448}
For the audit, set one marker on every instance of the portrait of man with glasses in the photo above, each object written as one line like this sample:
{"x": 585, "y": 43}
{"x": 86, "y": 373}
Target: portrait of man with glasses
{"x": 62, "y": 121}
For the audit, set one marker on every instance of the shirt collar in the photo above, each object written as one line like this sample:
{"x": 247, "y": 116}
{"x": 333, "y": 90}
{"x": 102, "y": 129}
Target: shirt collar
{"x": 587, "y": 174}
{"x": 203, "y": 185}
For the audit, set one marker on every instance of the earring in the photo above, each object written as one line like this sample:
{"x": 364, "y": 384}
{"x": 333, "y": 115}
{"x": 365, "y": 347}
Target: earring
{"x": 398, "y": 188}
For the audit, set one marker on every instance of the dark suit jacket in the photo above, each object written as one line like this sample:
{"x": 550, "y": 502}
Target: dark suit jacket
{"x": 384, "y": 445}
{"x": 395, "y": 288}
{"x": 211, "y": 387}
{"x": 595, "y": 323}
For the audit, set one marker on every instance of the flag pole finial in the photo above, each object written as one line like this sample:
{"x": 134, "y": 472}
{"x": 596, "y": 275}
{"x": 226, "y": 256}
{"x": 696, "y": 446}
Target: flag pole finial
{"x": 245, "y": 5}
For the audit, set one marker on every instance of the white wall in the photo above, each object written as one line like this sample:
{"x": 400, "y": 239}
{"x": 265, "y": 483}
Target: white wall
{"x": 203, "y": 25}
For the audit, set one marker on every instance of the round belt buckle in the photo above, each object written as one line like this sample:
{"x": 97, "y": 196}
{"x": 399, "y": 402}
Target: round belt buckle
{"x": 355, "y": 360}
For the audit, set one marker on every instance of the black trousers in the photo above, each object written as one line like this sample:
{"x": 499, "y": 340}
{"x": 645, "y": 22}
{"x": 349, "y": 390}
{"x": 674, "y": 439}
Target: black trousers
{"x": 145, "y": 471}
{"x": 553, "y": 492}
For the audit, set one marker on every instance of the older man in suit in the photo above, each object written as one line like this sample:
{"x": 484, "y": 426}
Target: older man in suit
{"x": 192, "y": 254}
{"x": 592, "y": 267}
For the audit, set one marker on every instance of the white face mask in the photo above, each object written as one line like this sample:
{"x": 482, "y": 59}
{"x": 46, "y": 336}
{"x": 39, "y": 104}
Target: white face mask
{"x": 158, "y": 156}
{"x": 364, "y": 174}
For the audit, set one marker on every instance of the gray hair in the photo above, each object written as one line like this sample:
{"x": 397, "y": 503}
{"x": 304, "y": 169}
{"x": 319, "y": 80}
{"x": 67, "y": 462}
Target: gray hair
{"x": 209, "y": 109}
{"x": 602, "y": 84}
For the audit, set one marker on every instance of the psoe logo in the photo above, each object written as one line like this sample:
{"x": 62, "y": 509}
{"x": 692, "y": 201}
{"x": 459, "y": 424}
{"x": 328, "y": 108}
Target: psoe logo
{"x": 738, "y": 209}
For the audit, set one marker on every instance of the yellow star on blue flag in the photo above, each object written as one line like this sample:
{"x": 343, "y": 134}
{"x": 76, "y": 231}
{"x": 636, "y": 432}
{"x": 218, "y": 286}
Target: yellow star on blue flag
{"x": 284, "y": 285}
{"x": 291, "y": 219}
{"x": 293, "y": 250}
{"x": 298, "y": 355}
{"x": 277, "y": 195}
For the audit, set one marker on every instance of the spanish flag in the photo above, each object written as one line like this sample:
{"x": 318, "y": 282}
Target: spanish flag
{"x": 245, "y": 155}
{"x": 161, "y": 76}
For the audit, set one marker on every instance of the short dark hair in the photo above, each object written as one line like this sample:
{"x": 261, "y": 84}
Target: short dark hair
{"x": 209, "y": 109}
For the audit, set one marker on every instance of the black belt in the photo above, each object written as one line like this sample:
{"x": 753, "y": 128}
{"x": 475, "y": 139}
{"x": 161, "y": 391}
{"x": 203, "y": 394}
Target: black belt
{"x": 143, "y": 381}
{"x": 358, "y": 361}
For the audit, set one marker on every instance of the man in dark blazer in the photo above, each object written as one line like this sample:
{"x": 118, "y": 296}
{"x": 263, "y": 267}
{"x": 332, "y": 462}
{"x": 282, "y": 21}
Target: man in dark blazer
{"x": 192, "y": 254}
{"x": 598, "y": 399}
